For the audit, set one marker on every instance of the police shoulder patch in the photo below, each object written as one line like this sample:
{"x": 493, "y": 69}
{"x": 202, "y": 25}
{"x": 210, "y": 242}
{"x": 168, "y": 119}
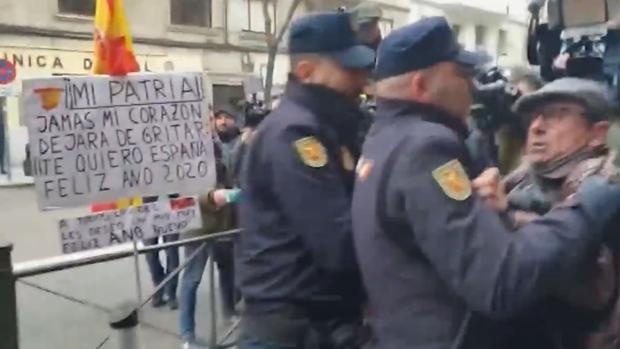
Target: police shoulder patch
{"x": 453, "y": 180}
{"x": 311, "y": 152}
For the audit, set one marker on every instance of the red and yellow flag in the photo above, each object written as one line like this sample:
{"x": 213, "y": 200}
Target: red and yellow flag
{"x": 113, "y": 56}
{"x": 117, "y": 205}
{"x": 113, "y": 47}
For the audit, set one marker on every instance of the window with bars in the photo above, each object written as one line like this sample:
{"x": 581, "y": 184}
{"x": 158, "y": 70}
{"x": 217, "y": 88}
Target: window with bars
{"x": 386, "y": 26}
{"x": 195, "y": 13}
{"x": 502, "y": 43}
{"x": 481, "y": 37}
{"x": 253, "y": 18}
{"x": 77, "y": 7}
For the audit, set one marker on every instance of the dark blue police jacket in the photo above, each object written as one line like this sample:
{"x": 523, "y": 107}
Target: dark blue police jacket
{"x": 296, "y": 247}
{"x": 440, "y": 268}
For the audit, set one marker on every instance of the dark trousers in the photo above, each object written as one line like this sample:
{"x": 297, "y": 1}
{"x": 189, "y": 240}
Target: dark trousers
{"x": 224, "y": 257}
{"x": 249, "y": 343}
{"x": 158, "y": 271}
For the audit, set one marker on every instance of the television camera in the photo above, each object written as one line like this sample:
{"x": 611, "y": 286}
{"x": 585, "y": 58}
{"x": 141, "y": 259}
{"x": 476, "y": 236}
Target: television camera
{"x": 578, "y": 38}
{"x": 494, "y": 96}
{"x": 581, "y": 39}
{"x": 254, "y": 111}
{"x": 575, "y": 38}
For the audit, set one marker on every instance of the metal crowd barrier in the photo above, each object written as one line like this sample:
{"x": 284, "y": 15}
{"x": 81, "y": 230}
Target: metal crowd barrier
{"x": 9, "y": 274}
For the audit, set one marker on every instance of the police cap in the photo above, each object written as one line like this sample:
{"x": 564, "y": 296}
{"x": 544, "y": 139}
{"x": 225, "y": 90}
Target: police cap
{"x": 330, "y": 35}
{"x": 421, "y": 45}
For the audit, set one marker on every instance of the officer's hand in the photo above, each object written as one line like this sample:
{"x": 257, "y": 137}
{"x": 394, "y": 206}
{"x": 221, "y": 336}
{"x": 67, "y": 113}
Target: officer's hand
{"x": 490, "y": 188}
{"x": 599, "y": 198}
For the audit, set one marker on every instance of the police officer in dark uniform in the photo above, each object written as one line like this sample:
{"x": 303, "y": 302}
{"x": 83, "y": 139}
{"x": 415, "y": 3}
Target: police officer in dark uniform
{"x": 297, "y": 270}
{"x": 439, "y": 265}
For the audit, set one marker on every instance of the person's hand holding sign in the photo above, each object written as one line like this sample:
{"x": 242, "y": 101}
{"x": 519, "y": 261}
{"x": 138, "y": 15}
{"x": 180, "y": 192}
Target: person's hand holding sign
{"x": 223, "y": 197}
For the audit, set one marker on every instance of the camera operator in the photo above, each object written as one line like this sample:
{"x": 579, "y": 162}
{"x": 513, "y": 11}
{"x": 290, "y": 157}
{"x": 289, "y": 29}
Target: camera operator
{"x": 496, "y": 134}
{"x": 254, "y": 111}
{"x": 511, "y": 137}
{"x": 567, "y": 123}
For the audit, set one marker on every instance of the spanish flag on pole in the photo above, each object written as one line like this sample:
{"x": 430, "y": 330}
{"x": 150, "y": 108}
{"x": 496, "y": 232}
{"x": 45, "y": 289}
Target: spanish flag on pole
{"x": 113, "y": 47}
{"x": 113, "y": 56}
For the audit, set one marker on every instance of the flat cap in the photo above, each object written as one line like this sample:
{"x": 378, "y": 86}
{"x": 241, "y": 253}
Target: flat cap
{"x": 421, "y": 45}
{"x": 330, "y": 35}
{"x": 595, "y": 97}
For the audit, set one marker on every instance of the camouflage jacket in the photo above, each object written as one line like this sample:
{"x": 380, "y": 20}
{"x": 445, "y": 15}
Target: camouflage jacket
{"x": 593, "y": 297}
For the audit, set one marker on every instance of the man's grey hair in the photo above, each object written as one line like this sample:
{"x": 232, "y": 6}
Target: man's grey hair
{"x": 396, "y": 87}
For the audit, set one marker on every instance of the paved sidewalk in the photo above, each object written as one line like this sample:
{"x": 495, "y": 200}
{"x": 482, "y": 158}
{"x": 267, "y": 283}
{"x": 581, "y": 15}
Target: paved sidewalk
{"x": 17, "y": 179}
{"x": 67, "y": 309}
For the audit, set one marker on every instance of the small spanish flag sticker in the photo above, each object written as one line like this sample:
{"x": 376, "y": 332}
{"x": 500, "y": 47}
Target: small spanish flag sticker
{"x": 50, "y": 97}
{"x": 453, "y": 180}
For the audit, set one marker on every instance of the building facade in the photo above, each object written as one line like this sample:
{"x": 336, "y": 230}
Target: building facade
{"x": 498, "y": 27}
{"x": 224, "y": 38}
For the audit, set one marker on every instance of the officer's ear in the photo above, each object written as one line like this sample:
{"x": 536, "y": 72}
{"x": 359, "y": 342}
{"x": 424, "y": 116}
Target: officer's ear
{"x": 598, "y": 133}
{"x": 304, "y": 69}
{"x": 418, "y": 86}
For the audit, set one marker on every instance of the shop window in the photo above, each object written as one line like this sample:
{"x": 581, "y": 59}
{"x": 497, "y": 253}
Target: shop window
{"x": 196, "y": 13}
{"x": 77, "y": 7}
{"x": 456, "y": 29}
{"x": 481, "y": 37}
{"x": 502, "y": 43}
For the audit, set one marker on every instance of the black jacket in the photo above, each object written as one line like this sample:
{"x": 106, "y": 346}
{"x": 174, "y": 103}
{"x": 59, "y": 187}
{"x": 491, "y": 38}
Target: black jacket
{"x": 297, "y": 247}
{"x": 440, "y": 268}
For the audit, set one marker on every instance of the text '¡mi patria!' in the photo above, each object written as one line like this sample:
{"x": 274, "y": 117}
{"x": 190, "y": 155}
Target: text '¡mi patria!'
{"x": 95, "y": 139}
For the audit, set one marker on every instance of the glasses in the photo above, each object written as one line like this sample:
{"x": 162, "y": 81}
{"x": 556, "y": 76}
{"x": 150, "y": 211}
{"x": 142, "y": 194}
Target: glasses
{"x": 553, "y": 113}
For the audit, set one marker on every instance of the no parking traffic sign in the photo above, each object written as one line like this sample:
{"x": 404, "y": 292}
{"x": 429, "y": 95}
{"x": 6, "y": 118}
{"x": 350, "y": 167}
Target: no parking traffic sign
{"x": 7, "y": 72}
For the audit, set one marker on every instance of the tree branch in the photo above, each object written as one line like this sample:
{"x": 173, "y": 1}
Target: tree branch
{"x": 268, "y": 22}
{"x": 287, "y": 21}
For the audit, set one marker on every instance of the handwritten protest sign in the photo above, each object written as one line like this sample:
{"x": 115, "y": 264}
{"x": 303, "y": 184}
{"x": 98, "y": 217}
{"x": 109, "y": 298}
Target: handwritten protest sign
{"x": 101, "y": 138}
{"x": 122, "y": 226}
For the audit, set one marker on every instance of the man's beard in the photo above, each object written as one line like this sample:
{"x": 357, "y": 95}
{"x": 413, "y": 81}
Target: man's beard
{"x": 228, "y": 134}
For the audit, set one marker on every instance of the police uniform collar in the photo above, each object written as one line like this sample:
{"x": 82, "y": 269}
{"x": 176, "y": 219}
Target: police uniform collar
{"x": 392, "y": 107}
{"x": 329, "y": 106}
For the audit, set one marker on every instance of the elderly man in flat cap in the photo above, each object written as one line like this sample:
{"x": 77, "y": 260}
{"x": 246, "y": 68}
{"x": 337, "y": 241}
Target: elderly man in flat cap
{"x": 567, "y": 125}
{"x": 439, "y": 265}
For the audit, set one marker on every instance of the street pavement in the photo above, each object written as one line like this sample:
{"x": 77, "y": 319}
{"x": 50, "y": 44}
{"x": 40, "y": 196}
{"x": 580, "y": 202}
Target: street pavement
{"x": 68, "y": 309}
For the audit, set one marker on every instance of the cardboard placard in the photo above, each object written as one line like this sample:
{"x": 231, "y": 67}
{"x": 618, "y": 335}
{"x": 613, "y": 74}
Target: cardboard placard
{"x": 123, "y": 226}
{"x": 101, "y": 138}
